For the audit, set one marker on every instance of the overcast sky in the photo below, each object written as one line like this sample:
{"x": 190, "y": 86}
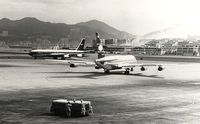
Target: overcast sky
{"x": 134, "y": 16}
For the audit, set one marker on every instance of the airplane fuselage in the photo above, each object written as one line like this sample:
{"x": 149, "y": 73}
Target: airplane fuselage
{"x": 126, "y": 62}
{"x": 114, "y": 62}
{"x": 54, "y": 53}
{"x": 78, "y": 52}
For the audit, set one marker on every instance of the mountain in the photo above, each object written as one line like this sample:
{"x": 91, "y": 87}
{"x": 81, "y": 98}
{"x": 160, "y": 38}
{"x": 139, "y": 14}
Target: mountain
{"x": 33, "y": 28}
{"x": 105, "y": 30}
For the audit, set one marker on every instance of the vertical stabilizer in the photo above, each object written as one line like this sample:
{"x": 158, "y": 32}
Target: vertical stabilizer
{"x": 81, "y": 45}
{"x": 101, "y": 52}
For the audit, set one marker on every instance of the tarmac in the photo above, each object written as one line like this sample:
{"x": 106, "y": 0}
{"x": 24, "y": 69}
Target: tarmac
{"x": 28, "y": 86}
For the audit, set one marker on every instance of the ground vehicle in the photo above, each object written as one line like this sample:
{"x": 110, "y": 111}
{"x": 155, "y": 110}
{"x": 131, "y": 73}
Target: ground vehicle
{"x": 71, "y": 108}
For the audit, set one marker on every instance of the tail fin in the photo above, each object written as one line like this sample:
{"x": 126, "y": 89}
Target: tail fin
{"x": 81, "y": 45}
{"x": 98, "y": 40}
{"x": 101, "y": 52}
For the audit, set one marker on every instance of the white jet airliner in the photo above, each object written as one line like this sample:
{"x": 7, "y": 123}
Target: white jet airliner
{"x": 113, "y": 62}
{"x": 78, "y": 52}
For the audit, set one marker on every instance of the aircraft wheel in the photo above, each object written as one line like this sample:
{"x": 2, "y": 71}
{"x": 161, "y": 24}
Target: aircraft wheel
{"x": 127, "y": 72}
{"x": 131, "y": 69}
{"x": 106, "y": 71}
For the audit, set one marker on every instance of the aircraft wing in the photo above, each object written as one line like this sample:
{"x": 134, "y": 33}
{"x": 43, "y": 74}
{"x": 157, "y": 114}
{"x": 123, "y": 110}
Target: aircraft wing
{"x": 74, "y": 63}
{"x": 142, "y": 66}
{"x": 125, "y": 65}
{"x": 68, "y": 55}
{"x": 82, "y": 63}
{"x": 57, "y": 54}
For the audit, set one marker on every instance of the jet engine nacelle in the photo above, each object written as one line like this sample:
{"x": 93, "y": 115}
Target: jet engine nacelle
{"x": 67, "y": 56}
{"x": 143, "y": 68}
{"x": 79, "y": 55}
{"x": 160, "y": 68}
{"x": 72, "y": 65}
{"x": 97, "y": 67}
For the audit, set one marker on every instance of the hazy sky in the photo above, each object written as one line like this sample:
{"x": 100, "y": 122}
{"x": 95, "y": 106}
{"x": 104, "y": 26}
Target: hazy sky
{"x": 134, "y": 16}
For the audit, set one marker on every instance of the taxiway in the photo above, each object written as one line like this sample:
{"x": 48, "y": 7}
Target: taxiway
{"x": 27, "y": 87}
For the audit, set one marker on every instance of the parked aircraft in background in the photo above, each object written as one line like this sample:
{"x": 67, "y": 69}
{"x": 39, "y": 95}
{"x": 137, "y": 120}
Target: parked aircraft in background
{"x": 62, "y": 53}
{"x": 113, "y": 62}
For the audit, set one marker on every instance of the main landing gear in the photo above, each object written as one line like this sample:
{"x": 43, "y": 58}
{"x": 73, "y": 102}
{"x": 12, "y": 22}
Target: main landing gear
{"x": 106, "y": 71}
{"x": 127, "y": 71}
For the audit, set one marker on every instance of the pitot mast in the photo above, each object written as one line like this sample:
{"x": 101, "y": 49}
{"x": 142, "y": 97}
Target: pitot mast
{"x": 101, "y": 52}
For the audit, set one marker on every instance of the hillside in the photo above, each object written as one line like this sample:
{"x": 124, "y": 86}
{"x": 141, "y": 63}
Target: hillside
{"x": 105, "y": 30}
{"x": 28, "y": 28}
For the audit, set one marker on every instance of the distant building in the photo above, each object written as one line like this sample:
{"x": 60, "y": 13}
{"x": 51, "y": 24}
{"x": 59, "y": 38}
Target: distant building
{"x": 170, "y": 47}
{"x": 182, "y": 44}
{"x": 42, "y": 43}
{"x": 64, "y": 43}
{"x": 109, "y": 42}
{"x": 121, "y": 42}
{"x": 153, "y": 44}
{"x": 190, "y": 49}
{"x": 147, "y": 51}
{"x": 3, "y": 44}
